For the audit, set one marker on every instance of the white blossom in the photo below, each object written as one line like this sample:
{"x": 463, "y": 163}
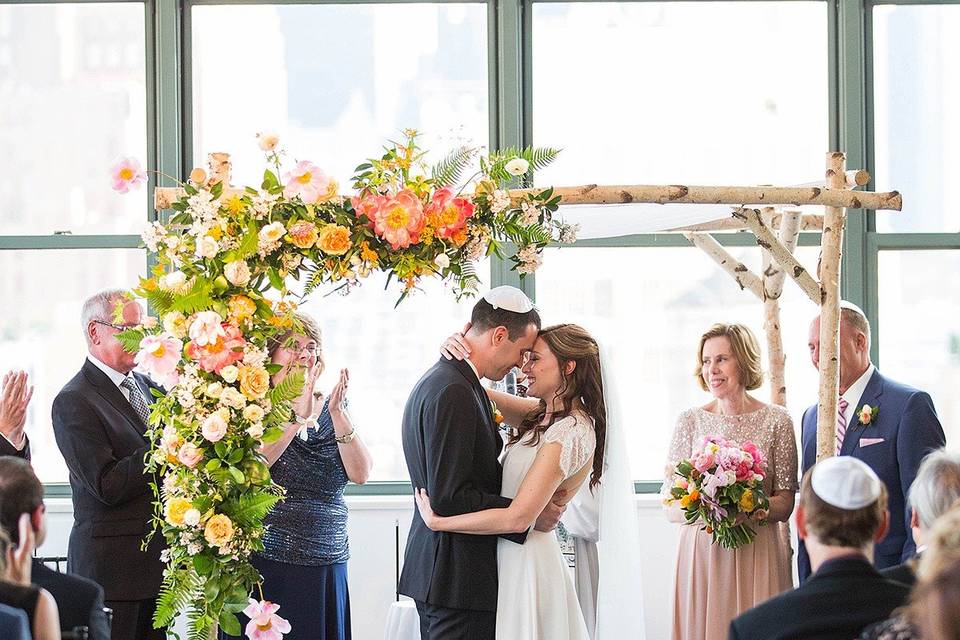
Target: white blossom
{"x": 500, "y": 201}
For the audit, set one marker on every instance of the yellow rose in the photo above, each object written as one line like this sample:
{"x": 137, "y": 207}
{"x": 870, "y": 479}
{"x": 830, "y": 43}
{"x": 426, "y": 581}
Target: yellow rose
{"x": 746, "y": 501}
{"x": 253, "y": 413}
{"x": 334, "y": 240}
{"x": 219, "y": 530}
{"x": 254, "y": 382}
{"x": 240, "y": 308}
{"x": 176, "y": 508}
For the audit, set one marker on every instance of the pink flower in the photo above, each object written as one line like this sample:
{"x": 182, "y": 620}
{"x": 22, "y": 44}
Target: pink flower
{"x": 702, "y": 462}
{"x": 264, "y": 623}
{"x": 400, "y": 219}
{"x": 368, "y": 206}
{"x": 126, "y": 173}
{"x": 447, "y": 213}
{"x": 310, "y": 183}
{"x": 755, "y": 453}
{"x": 159, "y": 355}
{"x": 225, "y": 350}
{"x": 214, "y": 427}
{"x": 190, "y": 454}
{"x": 744, "y": 471}
{"x": 206, "y": 328}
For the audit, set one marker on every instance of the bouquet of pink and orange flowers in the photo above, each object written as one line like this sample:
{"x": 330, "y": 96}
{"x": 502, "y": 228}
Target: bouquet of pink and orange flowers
{"x": 720, "y": 486}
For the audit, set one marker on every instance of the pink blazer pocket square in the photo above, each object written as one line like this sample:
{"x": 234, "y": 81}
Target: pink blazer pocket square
{"x": 866, "y": 442}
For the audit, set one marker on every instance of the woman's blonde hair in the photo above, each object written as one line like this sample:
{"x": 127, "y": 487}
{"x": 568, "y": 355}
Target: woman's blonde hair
{"x": 745, "y": 348}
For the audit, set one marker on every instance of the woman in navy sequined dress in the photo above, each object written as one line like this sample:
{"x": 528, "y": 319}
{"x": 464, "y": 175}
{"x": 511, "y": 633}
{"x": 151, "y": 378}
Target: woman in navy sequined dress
{"x": 304, "y": 561}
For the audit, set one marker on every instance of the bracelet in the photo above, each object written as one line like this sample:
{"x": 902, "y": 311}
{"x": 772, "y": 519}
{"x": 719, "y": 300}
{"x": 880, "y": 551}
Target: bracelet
{"x": 347, "y": 438}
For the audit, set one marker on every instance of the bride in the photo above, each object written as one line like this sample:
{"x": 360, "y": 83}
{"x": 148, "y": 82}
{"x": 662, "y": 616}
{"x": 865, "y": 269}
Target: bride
{"x": 558, "y": 444}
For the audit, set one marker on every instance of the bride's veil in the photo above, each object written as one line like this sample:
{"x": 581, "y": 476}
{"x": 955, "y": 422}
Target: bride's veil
{"x": 620, "y": 587}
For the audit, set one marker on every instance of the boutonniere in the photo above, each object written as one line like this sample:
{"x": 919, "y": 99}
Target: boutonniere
{"x": 497, "y": 416}
{"x": 867, "y": 414}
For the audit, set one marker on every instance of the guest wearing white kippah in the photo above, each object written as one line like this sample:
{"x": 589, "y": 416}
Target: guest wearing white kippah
{"x": 841, "y": 516}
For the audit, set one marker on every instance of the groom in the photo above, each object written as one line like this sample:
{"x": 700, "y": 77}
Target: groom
{"x": 451, "y": 445}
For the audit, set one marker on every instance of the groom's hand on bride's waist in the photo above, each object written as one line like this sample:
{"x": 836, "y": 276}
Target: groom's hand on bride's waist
{"x": 551, "y": 514}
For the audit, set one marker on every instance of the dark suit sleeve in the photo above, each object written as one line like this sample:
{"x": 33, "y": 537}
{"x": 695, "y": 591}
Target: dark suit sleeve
{"x": 733, "y": 634}
{"x": 919, "y": 433}
{"x": 87, "y": 451}
{"x": 7, "y": 449}
{"x": 99, "y": 628}
{"x": 449, "y": 450}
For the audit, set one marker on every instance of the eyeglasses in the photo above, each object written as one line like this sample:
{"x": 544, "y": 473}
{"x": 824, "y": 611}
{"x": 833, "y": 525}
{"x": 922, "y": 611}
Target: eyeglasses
{"x": 118, "y": 327}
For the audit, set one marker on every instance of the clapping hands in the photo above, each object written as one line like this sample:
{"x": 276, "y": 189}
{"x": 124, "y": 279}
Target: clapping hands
{"x": 303, "y": 406}
{"x": 20, "y": 557}
{"x": 338, "y": 397}
{"x": 14, "y": 399}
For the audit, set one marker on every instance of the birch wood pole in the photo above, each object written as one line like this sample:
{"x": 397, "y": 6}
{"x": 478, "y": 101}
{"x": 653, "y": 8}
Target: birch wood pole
{"x": 773, "y": 279}
{"x": 829, "y": 363}
{"x": 737, "y": 270}
{"x": 791, "y": 265}
{"x": 808, "y": 222}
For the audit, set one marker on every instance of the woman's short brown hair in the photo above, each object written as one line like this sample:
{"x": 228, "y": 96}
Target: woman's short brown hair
{"x": 745, "y": 348}
{"x": 837, "y": 527}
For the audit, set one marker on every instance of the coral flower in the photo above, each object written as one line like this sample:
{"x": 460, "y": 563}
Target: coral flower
{"x": 368, "y": 206}
{"x": 264, "y": 623}
{"x": 448, "y": 214}
{"x": 400, "y": 219}
{"x": 159, "y": 355}
{"x": 334, "y": 240}
{"x": 225, "y": 350}
{"x": 310, "y": 183}
{"x": 206, "y": 328}
{"x": 126, "y": 174}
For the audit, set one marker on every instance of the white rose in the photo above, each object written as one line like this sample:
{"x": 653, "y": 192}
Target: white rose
{"x": 233, "y": 398}
{"x": 191, "y": 517}
{"x": 214, "y": 390}
{"x": 255, "y": 430}
{"x": 173, "y": 281}
{"x": 237, "y": 273}
{"x": 253, "y": 413}
{"x": 229, "y": 373}
{"x": 517, "y": 167}
{"x": 207, "y": 247}
{"x": 442, "y": 261}
{"x": 268, "y": 141}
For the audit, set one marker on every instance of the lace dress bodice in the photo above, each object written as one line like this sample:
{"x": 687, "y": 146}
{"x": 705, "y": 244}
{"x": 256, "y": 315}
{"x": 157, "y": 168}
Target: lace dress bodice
{"x": 577, "y": 442}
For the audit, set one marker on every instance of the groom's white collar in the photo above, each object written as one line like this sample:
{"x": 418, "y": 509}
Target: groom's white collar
{"x": 473, "y": 367}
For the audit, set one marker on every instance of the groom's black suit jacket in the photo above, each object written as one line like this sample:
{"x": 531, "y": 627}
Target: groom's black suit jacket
{"x": 451, "y": 445}
{"x": 102, "y": 441}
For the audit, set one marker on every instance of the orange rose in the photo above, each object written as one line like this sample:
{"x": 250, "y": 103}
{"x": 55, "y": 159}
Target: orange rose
{"x": 241, "y": 308}
{"x": 254, "y": 382}
{"x": 334, "y": 240}
{"x": 219, "y": 530}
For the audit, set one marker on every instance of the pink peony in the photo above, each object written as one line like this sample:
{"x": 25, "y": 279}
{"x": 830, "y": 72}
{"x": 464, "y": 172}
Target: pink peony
{"x": 159, "y": 355}
{"x": 447, "y": 213}
{"x": 368, "y": 206}
{"x": 224, "y": 351}
{"x": 264, "y": 623}
{"x": 744, "y": 472}
{"x": 703, "y": 461}
{"x": 206, "y": 328}
{"x": 190, "y": 455}
{"x": 755, "y": 453}
{"x": 214, "y": 427}
{"x": 400, "y": 219}
{"x": 309, "y": 182}
{"x": 127, "y": 174}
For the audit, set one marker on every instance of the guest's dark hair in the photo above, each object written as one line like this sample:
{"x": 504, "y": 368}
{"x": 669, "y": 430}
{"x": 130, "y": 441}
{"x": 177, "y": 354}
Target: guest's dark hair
{"x": 20, "y": 492}
{"x": 572, "y": 343}
{"x": 484, "y": 317}
{"x": 836, "y": 527}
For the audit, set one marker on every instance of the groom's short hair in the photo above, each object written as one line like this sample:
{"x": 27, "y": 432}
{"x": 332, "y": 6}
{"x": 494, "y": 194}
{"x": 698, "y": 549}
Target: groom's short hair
{"x": 486, "y": 317}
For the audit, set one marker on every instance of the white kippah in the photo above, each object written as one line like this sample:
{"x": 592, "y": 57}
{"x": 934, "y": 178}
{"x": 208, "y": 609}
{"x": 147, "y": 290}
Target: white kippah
{"x": 845, "y": 482}
{"x": 509, "y": 298}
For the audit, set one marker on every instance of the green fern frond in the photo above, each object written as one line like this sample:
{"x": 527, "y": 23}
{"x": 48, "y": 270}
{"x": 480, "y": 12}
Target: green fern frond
{"x": 449, "y": 171}
{"x": 280, "y": 414}
{"x": 158, "y": 300}
{"x": 130, "y": 339}
{"x": 252, "y": 508}
{"x": 287, "y": 389}
{"x": 176, "y": 593}
{"x": 197, "y": 299}
{"x": 539, "y": 157}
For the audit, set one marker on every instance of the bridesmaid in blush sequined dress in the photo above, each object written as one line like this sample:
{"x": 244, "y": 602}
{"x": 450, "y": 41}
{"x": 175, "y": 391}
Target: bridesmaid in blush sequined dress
{"x": 304, "y": 561}
{"x": 713, "y": 585}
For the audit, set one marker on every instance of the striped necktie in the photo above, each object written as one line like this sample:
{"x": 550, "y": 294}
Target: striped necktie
{"x": 137, "y": 400}
{"x": 841, "y": 423}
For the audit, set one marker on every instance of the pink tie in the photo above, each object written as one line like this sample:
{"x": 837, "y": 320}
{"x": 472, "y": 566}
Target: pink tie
{"x": 841, "y": 423}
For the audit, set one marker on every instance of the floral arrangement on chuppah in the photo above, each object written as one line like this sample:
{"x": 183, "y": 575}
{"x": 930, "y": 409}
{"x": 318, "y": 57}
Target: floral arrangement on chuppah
{"x": 224, "y": 261}
{"x": 721, "y": 486}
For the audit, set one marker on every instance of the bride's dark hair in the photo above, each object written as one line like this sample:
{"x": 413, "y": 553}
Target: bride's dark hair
{"x": 572, "y": 343}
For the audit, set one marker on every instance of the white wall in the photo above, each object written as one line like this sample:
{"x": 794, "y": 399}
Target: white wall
{"x": 372, "y": 568}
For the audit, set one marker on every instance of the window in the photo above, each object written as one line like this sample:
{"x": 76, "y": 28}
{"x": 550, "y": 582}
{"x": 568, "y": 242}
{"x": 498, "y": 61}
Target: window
{"x": 916, "y": 63}
{"x": 73, "y": 90}
{"x": 335, "y": 81}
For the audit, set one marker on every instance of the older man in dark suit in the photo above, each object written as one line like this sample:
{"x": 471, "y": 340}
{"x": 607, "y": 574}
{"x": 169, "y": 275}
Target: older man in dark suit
{"x": 888, "y": 425}
{"x": 79, "y": 601}
{"x": 841, "y": 516}
{"x": 99, "y": 420}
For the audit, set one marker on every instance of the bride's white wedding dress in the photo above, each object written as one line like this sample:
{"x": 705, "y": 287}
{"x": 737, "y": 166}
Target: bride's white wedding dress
{"x": 536, "y": 597}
